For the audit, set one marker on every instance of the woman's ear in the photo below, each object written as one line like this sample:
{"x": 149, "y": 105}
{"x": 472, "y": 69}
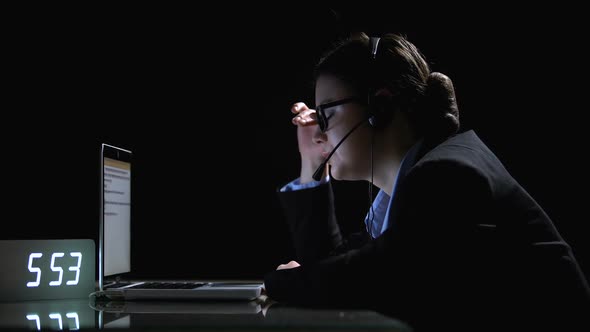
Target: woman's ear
{"x": 381, "y": 108}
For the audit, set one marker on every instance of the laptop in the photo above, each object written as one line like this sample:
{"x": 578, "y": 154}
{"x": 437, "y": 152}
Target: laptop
{"x": 114, "y": 261}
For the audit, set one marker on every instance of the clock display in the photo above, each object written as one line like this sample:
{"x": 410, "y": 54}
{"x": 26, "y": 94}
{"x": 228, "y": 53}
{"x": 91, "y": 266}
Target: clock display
{"x": 46, "y": 269}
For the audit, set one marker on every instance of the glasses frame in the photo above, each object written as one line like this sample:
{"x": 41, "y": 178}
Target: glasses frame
{"x": 321, "y": 116}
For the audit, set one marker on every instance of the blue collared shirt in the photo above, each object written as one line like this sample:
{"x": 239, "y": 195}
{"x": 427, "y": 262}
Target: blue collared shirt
{"x": 381, "y": 203}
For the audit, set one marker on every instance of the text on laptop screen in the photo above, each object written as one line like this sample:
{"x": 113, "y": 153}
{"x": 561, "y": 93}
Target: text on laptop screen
{"x": 117, "y": 216}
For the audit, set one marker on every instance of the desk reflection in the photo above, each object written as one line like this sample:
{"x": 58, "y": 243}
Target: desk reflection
{"x": 255, "y": 315}
{"x": 84, "y": 314}
{"x": 185, "y": 314}
{"x": 60, "y": 315}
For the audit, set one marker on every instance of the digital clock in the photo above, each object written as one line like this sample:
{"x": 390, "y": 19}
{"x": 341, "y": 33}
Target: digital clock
{"x": 46, "y": 269}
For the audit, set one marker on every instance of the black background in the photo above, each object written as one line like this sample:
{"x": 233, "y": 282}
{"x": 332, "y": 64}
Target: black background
{"x": 202, "y": 98}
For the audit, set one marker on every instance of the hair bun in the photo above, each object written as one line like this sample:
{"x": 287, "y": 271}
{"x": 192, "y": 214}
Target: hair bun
{"x": 441, "y": 111}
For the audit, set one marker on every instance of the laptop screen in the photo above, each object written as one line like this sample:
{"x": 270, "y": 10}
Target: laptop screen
{"x": 115, "y": 224}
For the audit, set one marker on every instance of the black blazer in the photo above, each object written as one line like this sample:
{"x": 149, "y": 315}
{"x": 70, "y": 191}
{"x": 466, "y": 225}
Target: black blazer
{"x": 464, "y": 240}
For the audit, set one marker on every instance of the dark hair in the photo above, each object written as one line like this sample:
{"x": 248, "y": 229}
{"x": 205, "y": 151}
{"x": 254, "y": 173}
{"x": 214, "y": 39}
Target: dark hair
{"x": 428, "y": 98}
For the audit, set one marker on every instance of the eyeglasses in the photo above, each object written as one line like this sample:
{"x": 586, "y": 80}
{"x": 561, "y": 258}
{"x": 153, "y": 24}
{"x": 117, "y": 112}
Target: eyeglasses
{"x": 321, "y": 116}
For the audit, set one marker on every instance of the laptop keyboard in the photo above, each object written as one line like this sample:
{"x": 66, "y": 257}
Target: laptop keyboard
{"x": 170, "y": 285}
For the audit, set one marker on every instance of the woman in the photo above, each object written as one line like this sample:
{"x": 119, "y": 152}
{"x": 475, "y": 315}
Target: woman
{"x": 450, "y": 231}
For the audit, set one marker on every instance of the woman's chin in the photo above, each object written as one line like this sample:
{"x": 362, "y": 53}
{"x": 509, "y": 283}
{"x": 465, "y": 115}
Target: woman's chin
{"x": 341, "y": 175}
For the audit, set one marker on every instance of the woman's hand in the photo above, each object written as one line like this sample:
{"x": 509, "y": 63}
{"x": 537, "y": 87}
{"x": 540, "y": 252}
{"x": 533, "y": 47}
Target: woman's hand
{"x": 290, "y": 265}
{"x": 310, "y": 151}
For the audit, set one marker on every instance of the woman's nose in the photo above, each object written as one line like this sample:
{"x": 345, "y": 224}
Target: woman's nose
{"x": 318, "y": 136}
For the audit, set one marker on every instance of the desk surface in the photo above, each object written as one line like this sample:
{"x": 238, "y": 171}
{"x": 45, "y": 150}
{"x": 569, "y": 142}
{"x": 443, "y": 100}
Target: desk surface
{"x": 87, "y": 314}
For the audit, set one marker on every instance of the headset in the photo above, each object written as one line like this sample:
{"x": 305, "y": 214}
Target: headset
{"x": 377, "y": 115}
{"x": 379, "y": 107}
